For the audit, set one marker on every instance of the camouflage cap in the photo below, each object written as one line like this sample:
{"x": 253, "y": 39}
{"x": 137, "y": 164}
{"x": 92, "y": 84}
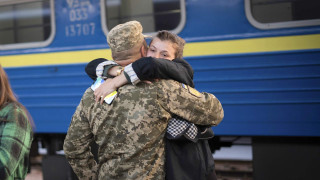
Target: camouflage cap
{"x": 125, "y": 36}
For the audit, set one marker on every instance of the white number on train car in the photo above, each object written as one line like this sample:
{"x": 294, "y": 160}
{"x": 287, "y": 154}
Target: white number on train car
{"x": 80, "y": 29}
{"x": 79, "y": 13}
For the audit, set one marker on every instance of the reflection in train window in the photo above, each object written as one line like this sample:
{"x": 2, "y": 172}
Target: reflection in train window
{"x": 283, "y": 13}
{"x": 154, "y": 15}
{"x": 24, "y": 21}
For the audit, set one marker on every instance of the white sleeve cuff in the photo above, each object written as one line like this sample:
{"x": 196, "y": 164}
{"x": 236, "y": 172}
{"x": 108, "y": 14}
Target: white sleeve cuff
{"x": 132, "y": 75}
{"x": 100, "y": 67}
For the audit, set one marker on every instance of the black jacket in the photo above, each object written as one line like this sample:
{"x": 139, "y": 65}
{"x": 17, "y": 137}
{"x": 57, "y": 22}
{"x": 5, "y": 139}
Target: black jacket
{"x": 148, "y": 68}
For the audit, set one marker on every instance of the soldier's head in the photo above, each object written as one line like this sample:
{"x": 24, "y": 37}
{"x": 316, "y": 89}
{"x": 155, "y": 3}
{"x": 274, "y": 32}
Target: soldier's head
{"x": 166, "y": 45}
{"x": 127, "y": 42}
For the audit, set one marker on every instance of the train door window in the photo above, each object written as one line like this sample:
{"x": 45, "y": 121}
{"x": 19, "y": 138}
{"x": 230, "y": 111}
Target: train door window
{"x": 26, "y": 23}
{"x": 271, "y": 14}
{"x": 154, "y": 15}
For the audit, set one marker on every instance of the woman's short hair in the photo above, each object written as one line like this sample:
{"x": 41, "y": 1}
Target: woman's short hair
{"x": 175, "y": 39}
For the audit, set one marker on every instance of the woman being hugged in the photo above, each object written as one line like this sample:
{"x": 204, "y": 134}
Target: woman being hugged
{"x": 15, "y": 133}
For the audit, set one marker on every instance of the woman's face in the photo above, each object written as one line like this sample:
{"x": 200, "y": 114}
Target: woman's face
{"x": 161, "y": 49}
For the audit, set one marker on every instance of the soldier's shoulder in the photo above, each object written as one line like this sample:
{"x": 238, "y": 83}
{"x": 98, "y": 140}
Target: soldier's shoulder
{"x": 168, "y": 86}
{"x": 126, "y": 88}
{"x": 178, "y": 87}
{"x": 167, "y": 82}
{"x": 88, "y": 91}
{"x": 88, "y": 95}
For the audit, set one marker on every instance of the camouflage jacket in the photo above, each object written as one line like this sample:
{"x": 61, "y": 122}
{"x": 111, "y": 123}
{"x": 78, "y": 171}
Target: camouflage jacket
{"x": 130, "y": 132}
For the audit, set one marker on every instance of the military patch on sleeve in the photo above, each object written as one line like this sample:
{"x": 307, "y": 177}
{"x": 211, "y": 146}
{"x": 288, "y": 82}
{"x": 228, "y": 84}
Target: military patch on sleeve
{"x": 194, "y": 91}
{"x": 191, "y": 90}
{"x": 184, "y": 86}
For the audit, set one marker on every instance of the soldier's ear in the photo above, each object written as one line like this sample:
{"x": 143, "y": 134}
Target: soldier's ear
{"x": 143, "y": 51}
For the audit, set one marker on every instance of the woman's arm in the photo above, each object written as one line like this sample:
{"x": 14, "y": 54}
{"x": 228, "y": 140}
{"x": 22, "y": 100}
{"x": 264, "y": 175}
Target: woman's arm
{"x": 99, "y": 68}
{"x": 149, "y": 68}
{"x": 146, "y": 68}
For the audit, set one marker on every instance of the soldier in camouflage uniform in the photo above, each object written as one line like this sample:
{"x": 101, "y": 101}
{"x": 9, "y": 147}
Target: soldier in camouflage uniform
{"x": 130, "y": 131}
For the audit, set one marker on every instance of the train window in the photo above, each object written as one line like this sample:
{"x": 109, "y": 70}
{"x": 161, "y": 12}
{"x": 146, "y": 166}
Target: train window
{"x": 271, "y": 14}
{"x": 26, "y": 23}
{"x": 154, "y": 15}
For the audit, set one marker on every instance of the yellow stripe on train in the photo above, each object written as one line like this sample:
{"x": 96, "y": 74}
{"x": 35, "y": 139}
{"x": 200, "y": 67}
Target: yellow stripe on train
{"x": 270, "y": 44}
{"x": 70, "y": 57}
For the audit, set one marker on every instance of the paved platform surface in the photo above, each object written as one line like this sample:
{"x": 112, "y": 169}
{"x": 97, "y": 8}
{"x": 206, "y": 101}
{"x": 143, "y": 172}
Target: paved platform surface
{"x": 35, "y": 174}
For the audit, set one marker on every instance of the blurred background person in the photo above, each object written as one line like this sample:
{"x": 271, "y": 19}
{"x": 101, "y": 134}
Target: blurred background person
{"x": 15, "y": 133}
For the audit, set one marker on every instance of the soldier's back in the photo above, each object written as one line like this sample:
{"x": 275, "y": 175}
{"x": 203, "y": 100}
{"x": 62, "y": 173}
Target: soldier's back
{"x": 130, "y": 133}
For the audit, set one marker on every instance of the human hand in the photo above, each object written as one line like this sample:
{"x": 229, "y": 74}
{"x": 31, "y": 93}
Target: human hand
{"x": 107, "y": 87}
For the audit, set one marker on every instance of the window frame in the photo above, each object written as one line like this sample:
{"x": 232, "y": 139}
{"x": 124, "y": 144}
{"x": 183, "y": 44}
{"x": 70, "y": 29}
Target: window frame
{"x": 177, "y": 30}
{"x": 32, "y": 44}
{"x": 276, "y": 25}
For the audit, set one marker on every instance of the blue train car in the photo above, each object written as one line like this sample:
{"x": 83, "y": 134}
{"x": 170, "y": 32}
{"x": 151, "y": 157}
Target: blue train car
{"x": 261, "y": 58}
